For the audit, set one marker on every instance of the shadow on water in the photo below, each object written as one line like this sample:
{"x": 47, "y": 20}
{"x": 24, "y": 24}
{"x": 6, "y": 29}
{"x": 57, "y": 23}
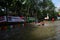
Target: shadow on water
{"x": 22, "y": 34}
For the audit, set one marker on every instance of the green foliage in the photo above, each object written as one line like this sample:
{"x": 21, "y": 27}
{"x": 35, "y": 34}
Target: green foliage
{"x": 35, "y": 8}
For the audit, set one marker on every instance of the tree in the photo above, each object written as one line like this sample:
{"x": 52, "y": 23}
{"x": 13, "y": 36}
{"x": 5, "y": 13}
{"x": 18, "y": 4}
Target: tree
{"x": 35, "y": 8}
{"x": 47, "y": 7}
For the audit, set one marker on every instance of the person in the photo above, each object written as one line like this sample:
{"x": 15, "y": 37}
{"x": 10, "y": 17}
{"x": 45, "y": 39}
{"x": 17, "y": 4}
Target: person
{"x": 42, "y": 22}
{"x": 53, "y": 19}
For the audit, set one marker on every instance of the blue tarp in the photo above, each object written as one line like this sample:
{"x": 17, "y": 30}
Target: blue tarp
{"x": 11, "y": 19}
